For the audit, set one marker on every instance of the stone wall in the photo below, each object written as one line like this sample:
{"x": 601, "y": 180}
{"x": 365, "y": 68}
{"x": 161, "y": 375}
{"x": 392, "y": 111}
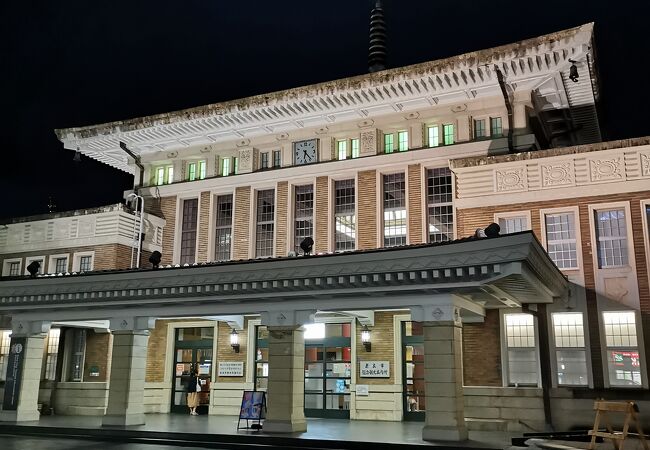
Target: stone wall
{"x": 80, "y": 399}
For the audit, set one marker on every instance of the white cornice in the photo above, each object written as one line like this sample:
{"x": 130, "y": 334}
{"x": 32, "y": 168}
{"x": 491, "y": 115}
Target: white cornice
{"x": 526, "y": 65}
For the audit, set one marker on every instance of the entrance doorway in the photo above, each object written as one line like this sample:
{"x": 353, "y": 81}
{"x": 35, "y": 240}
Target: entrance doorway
{"x": 328, "y": 363}
{"x": 192, "y": 352}
{"x": 413, "y": 394}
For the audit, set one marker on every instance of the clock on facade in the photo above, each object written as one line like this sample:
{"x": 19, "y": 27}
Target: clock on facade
{"x": 305, "y": 152}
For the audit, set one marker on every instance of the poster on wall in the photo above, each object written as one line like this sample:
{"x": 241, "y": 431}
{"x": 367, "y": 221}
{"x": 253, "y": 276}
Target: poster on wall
{"x": 15, "y": 365}
{"x": 231, "y": 369}
{"x": 374, "y": 369}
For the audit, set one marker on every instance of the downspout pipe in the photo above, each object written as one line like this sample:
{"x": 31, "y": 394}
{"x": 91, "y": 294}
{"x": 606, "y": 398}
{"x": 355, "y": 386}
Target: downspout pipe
{"x": 137, "y": 163}
{"x": 506, "y": 99}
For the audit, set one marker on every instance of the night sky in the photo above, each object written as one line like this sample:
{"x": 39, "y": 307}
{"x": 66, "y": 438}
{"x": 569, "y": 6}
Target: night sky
{"x": 74, "y": 63}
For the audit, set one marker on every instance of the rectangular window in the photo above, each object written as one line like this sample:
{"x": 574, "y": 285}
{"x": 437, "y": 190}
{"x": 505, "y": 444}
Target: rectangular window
{"x": 5, "y": 340}
{"x": 235, "y": 165}
{"x": 561, "y": 239}
{"x": 51, "y": 354}
{"x": 191, "y": 171}
{"x": 164, "y": 175}
{"x": 203, "y": 166}
{"x": 623, "y": 360}
{"x": 223, "y": 234}
{"x": 14, "y": 269}
{"x": 513, "y": 224}
{"x": 85, "y": 263}
{"x": 496, "y": 129}
{"x": 611, "y": 233}
{"x": 277, "y": 158}
{"x": 341, "y": 150}
{"x": 61, "y": 265}
{"x": 388, "y": 143}
{"x": 303, "y": 215}
{"x": 571, "y": 355}
{"x": 439, "y": 201}
{"x": 77, "y": 353}
{"x": 170, "y": 174}
{"x": 354, "y": 143}
{"x": 264, "y": 160}
{"x": 225, "y": 167}
{"x": 188, "y": 231}
{"x": 265, "y": 223}
{"x": 433, "y": 136}
{"x": 41, "y": 264}
{"x": 479, "y": 128}
{"x": 448, "y": 134}
{"x": 403, "y": 141}
{"x": 394, "y": 210}
{"x": 521, "y": 349}
{"x": 160, "y": 176}
{"x": 344, "y": 215}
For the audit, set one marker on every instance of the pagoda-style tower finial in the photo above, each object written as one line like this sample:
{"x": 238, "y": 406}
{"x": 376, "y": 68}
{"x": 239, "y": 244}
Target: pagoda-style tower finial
{"x": 377, "y": 51}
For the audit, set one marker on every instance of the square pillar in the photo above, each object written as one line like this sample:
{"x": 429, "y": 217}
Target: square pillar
{"x": 23, "y": 377}
{"x": 128, "y": 366}
{"x": 286, "y": 382}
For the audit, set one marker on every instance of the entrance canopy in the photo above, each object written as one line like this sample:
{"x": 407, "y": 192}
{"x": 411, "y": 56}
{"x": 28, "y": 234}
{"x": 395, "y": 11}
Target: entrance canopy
{"x": 506, "y": 271}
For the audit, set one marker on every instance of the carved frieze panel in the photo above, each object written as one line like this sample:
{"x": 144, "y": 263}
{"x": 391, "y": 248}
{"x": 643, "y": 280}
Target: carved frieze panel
{"x": 645, "y": 164}
{"x": 369, "y": 142}
{"x": 246, "y": 160}
{"x": 560, "y": 174}
{"x": 606, "y": 169}
{"x": 511, "y": 179}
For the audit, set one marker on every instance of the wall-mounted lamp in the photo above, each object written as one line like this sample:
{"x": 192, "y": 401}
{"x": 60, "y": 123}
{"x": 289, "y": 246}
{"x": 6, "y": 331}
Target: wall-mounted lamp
{"x": 234, "y": 341}
{"x": 365, "y": 338}
{"x": 573, "y": 71}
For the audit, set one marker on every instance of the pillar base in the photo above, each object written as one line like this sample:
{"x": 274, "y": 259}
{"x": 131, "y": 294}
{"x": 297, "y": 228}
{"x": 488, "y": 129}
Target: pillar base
{"x": 123, "y": 420}
{"x": 285, "y": 426}
{"x": 433, "y": 433}
{"x": 19, "y": 416}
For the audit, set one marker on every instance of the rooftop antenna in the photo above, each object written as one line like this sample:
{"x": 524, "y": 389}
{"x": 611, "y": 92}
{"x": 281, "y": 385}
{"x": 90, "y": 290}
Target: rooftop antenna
{"x": 51, "y": 206}
{"x": 377, "y": 50}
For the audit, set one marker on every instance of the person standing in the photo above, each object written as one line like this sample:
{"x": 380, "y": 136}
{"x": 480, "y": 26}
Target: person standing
{"x": 193, "y": 389}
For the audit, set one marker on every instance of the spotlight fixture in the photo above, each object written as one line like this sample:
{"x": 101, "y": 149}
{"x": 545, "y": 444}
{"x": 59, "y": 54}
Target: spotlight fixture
{"x": 573, "y": 71}
{"x": 365, "y": 338}
{"x": 33, "y": 268}
{"x": 77, "y": 156}
{"x": 234, "y": 341}
{"x": 492, "y": 230}
{"x": 155, "y": 258}
{"x": 306, "y": 245}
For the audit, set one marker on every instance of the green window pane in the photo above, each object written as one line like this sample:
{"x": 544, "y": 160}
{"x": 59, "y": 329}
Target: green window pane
{"x": 342, "y": 149}
{"x": 355, "y": 148}
{"x": 479, "y": 128}
{"x": 448, "y": 134}
{"x": 202, "y": 169}
{"x": 225, "y": 167}
{"x": 170, "y": 174}
{"x": 403, "y": 140}
{"x": 235, "y": 163}
{"x": 496, "y": 128}
{"x": 433, "y": 135}
{"x": 160, "y": 176}
{"x": 388, "y": 143}
{"x": 191, "y": 171}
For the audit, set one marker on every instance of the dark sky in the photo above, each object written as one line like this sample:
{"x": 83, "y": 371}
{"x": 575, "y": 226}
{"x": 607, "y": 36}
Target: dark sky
{"x": 73, "y": 63}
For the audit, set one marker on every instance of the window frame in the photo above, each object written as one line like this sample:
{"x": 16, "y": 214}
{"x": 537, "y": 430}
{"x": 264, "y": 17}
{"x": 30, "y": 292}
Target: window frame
{"x": 180, "y": 230}
{"x": 264, "y": 160}
{"x": 436, "y": 127}
{"x": 51, "y": 368}
{"x": 214, "y": 226}
{"x": 225, "y": 163}
{"x": 576, "y": 220}
{"x": 512, "y": 215}
{"x": 6, "y": 266}
{"x": 631, "y": 261}
{"x": 382, "y": 210}
{"x": 76, "y": 260}
{"x": 51, "y": 262}
{"x": 427, "y": 205}
{"x": 258, "y": 223}
{"x": 30, "y": 259}
{"x": 485, "y": 135}
{"x": 5, "y": 345}
{"x": 295, "y": 218}
{"x": 353, "y": 179}
{"x": 640, "y": 348}
{"x": 493, "y": 119}
{"x": 554, "y": 348}
{"x": 453, "y": 135}
{"x": 645, "y": 228}
{"x": 167, "y": 174}
{"x": 505, "y": 363}
{"x": 342, "y": 149}
{"x": 277, "y": 158}
{"x": 389, "y": 147}
{"x": 68, "y": 354}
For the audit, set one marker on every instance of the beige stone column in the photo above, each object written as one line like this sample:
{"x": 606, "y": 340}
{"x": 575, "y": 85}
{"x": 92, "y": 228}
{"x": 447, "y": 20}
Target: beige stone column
{"x": 26, "y": 350}
{"x": 286, "y": 382}
{"x": 443, "y": 373}
{"x": 128, "y": 366}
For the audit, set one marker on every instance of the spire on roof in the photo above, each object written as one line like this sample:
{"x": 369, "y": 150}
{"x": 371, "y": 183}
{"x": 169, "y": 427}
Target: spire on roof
{"x": 377, "y": 50}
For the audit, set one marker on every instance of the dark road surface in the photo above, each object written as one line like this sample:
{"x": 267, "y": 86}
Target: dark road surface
{"x": 35, "y": 443}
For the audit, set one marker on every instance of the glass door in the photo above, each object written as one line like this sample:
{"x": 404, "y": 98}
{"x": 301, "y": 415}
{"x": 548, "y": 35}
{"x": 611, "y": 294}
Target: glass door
{"x": 413, "y": 370}
{"x": 193, "y": 351}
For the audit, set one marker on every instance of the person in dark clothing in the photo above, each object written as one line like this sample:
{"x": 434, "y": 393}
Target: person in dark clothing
{"x": 193, "y": 389}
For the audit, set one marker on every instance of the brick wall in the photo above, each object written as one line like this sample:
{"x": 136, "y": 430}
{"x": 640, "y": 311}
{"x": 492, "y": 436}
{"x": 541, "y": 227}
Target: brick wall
{"x": 416, "y": 220}
{"x": 382, "y": 339}
{"x": 482, "y": 352}
{"x": 156, "y": 352}
{"x": 204, "y": 227}
{"x": 242, "y": 223}
{"x": 98, "y": 351}
{"x": 321, "y": 231}
{"x": 367, "y": 207}
{"x": 281, "y": 229}
{"x": 470, "y": 219}
{"x": 226, "y": 353}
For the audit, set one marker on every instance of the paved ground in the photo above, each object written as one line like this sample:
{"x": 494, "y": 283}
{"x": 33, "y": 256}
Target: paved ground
{"x": 318, "y": 429}
{"x": 30, "y": 443}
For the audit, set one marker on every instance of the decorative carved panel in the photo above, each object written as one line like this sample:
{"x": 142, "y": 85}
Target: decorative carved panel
{"x": 369, "y": 142}
{"x": 557, "y": 174}
{"x": 246, "y": 160}
{"x": 645, "y": 165}
{"x": 606, "y": 169}
{"x": 511, "y": 180}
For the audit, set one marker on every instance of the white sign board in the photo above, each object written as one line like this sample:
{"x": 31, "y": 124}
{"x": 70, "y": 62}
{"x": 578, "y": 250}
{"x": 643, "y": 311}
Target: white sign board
{"x": 374, "y": 369}
{"x": 231, "y": 369}
{"x": 362, "y": 390}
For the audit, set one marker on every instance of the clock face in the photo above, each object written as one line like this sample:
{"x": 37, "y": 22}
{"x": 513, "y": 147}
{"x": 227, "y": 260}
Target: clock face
{"x": 305, "y": 152}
